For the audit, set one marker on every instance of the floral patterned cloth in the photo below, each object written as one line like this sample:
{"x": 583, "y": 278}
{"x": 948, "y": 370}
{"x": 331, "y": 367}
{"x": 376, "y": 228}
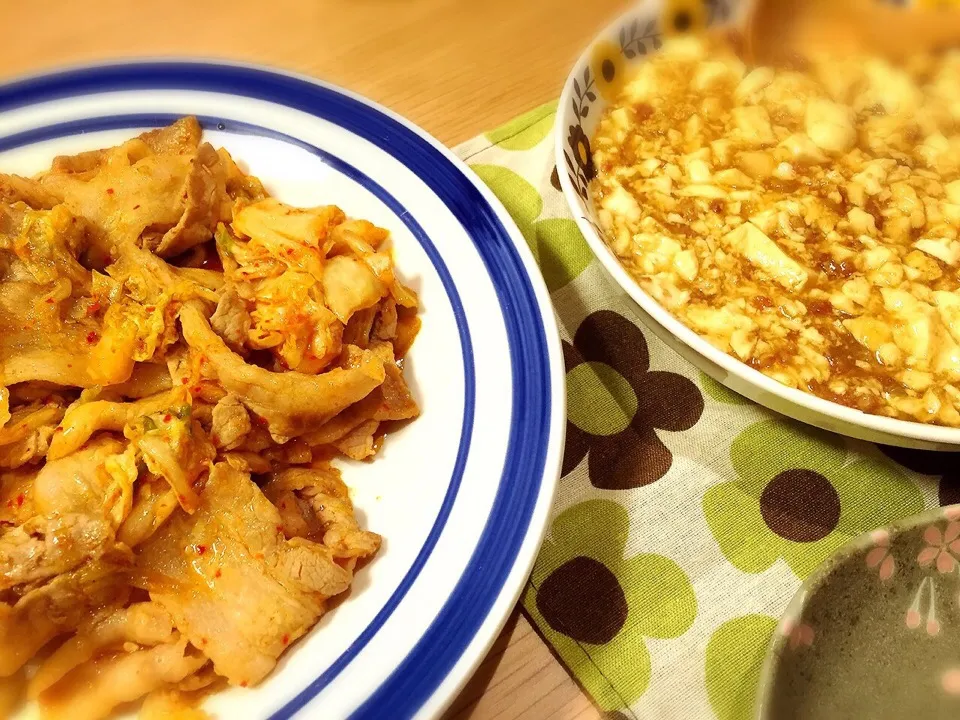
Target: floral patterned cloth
{"x": 687, "y": 516}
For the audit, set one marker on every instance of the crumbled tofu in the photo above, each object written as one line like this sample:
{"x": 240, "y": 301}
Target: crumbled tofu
{"x": 752, "y": 123}
{"x": 802, "y": 149}
{"x": 953, "y": 191}
{"x": 869, "y": 332}
{"x": 698, "y": 171}
{"x": 755, "y": 81}
{"x": 806, "y": 222}
{"x": 940, "y": 248}
{"x": 760, "y": 250}
{"x": 862, "y": 222}
{"x": 622, "y": 203}
{"x": 711, "y": 75}
{"x": 830, "y": 125}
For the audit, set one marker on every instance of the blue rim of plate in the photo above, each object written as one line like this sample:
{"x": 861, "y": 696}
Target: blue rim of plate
{"x": 427, "y": 665}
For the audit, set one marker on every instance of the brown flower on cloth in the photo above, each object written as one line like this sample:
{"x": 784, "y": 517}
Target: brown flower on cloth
{"x": 944, "y": 465}
{"x": 615, "y": 404}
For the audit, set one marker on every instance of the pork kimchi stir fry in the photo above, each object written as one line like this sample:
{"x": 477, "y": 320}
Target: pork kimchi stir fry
{"x": 182, "y": 357}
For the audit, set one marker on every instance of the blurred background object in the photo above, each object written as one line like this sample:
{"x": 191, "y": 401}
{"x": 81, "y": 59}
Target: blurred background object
{"x": 780, "y": 30}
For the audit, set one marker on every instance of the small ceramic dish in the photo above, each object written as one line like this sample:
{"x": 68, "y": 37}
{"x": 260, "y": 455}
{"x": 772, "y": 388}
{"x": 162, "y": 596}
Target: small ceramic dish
{"x": 875, "y": 632}
{"x": 590, "y": 87}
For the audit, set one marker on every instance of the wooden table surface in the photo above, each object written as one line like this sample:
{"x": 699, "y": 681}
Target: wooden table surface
{"x": 455, "y": 67}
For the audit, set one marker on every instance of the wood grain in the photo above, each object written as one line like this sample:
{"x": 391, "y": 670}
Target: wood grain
{"x": 521, "y": 680}
{"x": 455, "y": 67}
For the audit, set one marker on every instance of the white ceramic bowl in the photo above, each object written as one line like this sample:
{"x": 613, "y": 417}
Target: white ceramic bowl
{"x": 625, "y": 42}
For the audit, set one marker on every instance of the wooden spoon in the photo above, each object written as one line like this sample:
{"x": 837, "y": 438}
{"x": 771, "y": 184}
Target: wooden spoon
{"x": 780, "y": 31}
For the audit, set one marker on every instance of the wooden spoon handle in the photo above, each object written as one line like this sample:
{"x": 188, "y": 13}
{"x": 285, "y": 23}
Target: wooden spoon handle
{"x": 779, "y": 30}
{"x": 898, "y": 32}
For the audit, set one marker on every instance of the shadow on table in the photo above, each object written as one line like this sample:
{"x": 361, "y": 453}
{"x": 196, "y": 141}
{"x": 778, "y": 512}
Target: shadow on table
{"x": 466, "y": 702}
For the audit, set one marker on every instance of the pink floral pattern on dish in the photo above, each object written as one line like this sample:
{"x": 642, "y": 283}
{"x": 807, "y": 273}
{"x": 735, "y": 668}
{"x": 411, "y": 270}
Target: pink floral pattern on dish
{"x": 909, "y": 573}
{"x": 800, "y": 634}
{"x": 880, "y": 557}
{"x": 941, "y": 547}
{"x": 914, "y": 614}
{"x": 950, "y": 681}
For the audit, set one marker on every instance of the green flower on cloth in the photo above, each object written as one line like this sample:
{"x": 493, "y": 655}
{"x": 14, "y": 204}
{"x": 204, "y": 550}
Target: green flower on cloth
{"x": 557, "y": 245}
{"x": 595, "y": 606}
{"x": 794, "y": 498}
{"x": 525, "y": 131}
{"x": 734, "y": 658}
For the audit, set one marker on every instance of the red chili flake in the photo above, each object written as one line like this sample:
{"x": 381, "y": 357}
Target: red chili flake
{"x": 286, "y": 640}
{"x": 59, "y": 429}
{"x": 109, "y": 191}
{"x": 50, "y": 300}
{"x": 258, "y": 556}
{"x": 92, "y": 337}
{"x": 280, "y": 527}
{"x": 168, "y": 417}
{"x": 94, "y": 307}
{"x": 203, "y": 641}
{"x": 184, "y": 381}
{"x": 20, "y": 500}
{"x": 135, "y": 207}
{"x": 196, "y": 389}
{"x": 201, "y": 549}
{"x": 70, "y": 365}
{"x": 243, "y": 684}
{"x": 150, "y": 308}
{"x": 260, "y": 420}
{"x": 217, "y": 573}
{"x": 181, "y": 499}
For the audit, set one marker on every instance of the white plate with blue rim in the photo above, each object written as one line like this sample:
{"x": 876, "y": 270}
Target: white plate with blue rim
{"x": 461, "y": 495}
